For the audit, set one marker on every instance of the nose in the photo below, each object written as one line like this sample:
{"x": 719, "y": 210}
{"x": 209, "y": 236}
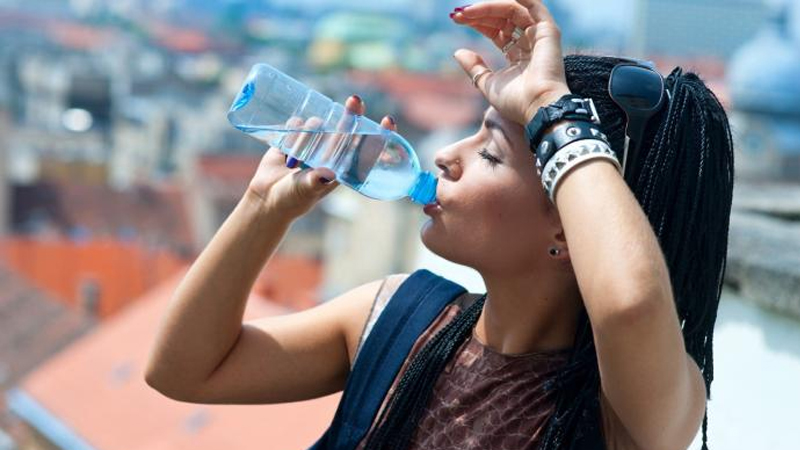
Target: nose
{"x": 449, "y": 163}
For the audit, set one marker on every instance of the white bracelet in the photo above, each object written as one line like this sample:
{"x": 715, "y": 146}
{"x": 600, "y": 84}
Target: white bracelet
{"x": 571, "y": 156}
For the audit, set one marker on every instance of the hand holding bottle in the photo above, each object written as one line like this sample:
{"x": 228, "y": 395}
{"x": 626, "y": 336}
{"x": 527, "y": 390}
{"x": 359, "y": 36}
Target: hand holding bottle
{"x": 292, "y": 192}
{"x": 307, "y": 126}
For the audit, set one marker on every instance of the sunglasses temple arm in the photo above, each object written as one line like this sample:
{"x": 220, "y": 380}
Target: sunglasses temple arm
{"x": 625, "y": 156}
{"x": 634, "y": 134}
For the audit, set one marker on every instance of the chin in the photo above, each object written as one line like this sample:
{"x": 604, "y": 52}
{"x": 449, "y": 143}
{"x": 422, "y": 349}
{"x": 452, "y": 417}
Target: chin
{"x": 443, "y": 245}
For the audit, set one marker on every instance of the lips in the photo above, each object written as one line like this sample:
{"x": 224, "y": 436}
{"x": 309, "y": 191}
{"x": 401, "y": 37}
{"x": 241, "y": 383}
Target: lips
{"x": 433, "y": 208}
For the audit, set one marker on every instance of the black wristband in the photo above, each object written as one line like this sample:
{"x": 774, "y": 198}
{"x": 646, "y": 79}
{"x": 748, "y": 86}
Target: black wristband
{"x": 568, "y": 107}
{"x": 565, "y": 133}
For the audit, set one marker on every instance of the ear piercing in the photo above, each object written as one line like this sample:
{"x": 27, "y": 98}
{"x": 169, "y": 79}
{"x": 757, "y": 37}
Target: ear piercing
{"x": 555, "y": 251}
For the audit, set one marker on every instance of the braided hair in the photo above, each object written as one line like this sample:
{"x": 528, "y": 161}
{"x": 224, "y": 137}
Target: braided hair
{"x": 684, "y": 184}
{"x": 414, "y": 389}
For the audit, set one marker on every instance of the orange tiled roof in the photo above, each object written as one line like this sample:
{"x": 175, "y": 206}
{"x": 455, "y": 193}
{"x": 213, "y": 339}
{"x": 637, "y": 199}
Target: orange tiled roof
{"x": 290, "y": 281}
{"x": 80, "y": 37}
{"x": 96, "y": 388}
{"x": 428, "y": 101}
{"x": 231, "y": 167}
{"x": 33, "y": 325}
{"x": 185, "y": 40}
{"x": 123, "y": 271}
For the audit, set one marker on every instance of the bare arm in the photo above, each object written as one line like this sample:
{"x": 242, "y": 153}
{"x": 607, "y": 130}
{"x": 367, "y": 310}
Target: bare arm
{"x": 204, "y": 318}
{"x": 204, "y": 353}
{"x": 654, "y": 387}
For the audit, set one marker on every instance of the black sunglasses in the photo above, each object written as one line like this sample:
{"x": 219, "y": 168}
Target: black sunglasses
{"x": 639, "y": 90}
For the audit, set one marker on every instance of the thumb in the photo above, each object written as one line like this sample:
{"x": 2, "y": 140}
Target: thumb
{"x": 475, "y": 67}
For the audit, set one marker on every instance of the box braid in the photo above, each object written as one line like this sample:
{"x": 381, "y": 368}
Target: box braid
{"x": 415, "y": 387}
{"x": 684, "y": 184}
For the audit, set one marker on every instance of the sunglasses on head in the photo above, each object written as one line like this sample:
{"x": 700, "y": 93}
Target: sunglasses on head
{"x": 637, "y": 88}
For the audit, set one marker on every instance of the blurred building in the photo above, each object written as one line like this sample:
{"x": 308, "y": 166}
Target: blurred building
{"x": 713, "y": 28}
{"x": 366, "y": 239}
{"x": 357, "y": 40}
{"x": 765, "y": 91}
{"x": 5, "y": 130}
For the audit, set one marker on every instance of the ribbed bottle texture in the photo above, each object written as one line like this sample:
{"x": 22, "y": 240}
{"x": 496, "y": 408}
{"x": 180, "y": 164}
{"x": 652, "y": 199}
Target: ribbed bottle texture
{"x": 282, "y": 112}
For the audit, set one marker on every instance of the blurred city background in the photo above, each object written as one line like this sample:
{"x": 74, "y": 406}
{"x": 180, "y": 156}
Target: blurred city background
{"x": 117, "y": 165}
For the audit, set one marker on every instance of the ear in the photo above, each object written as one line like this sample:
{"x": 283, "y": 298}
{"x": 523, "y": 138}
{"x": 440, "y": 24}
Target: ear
{"x": 559, "y": 241}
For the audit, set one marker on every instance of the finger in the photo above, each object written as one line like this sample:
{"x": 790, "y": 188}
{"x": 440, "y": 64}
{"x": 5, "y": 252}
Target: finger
{"x": 536, "y": 10}
{"x": 495, "y": 22}
{"x": 499, "y": 35}
{"x": 274, "y": 157}
{"x": 516, "y": 13}
{"x": 389, "y": 123}
{"x": 499, "y": 30}
{"x": 329, "y": 146}
{"x": 355, "y": 105}
{"x": 315, "y": 181}
{"x": 294, "y": 123}
{"x": 474, "y": 65}
{"x": 303, "y": 139}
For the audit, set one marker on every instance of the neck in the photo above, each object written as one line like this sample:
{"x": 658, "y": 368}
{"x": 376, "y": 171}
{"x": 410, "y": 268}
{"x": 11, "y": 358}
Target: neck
{"x": 527, "y": 313}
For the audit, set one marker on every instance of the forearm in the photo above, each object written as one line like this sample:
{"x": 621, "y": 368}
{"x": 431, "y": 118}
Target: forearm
{"x": 204, "y": 317}
{"x": 616, "y": 257}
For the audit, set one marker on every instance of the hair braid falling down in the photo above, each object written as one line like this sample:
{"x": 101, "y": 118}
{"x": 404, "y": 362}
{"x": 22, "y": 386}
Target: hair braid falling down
{"x": 684, "y": 184}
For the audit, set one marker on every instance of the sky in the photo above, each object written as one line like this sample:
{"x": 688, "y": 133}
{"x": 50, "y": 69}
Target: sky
{"x": 616, "y": 12}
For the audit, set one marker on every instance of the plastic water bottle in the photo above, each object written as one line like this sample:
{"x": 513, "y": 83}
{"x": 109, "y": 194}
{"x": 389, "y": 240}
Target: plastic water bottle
{"x": 308, "y": 126}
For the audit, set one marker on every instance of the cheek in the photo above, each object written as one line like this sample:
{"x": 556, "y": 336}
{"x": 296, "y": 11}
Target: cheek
{"x": 503, "y": 216}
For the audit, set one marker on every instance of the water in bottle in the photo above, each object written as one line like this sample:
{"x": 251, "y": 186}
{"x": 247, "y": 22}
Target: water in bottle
{"x": 304, "y": 124}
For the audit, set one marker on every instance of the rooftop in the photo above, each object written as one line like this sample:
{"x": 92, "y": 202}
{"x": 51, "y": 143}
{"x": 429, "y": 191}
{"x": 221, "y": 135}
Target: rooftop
{"x": 94, "y": 394}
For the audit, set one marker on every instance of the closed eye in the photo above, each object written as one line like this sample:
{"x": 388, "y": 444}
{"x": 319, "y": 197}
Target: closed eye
{"x": 492, "y": 160}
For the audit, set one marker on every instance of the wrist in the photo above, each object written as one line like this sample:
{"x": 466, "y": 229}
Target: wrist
{"x": 545, "y": 99}
{"x": 259, "y": 209}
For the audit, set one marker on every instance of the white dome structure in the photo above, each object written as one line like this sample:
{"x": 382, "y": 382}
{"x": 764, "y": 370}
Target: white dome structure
{"x": 764, "y": 75}
{"x": 764, "y": 82}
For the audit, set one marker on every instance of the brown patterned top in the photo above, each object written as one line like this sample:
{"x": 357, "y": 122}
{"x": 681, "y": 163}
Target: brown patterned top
{"x": 483, "y": 399}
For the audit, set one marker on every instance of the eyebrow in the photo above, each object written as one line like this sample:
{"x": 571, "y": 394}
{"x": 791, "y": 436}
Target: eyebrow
{"x": 490, "y": 124}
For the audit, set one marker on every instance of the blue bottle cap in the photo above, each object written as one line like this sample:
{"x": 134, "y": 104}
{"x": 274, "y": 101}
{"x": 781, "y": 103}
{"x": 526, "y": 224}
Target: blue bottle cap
{"x": 424, "y": 191}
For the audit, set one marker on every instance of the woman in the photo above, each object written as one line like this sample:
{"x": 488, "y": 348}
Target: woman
{"x": 596, "y": 328}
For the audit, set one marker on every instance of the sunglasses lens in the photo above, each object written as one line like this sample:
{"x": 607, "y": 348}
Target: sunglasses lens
{"x": 636, "y": 88}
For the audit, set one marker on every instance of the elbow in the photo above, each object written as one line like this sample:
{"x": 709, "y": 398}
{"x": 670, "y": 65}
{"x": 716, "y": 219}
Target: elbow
{"x": 156, "y": 381}
{"x": 169, "y": 390}
{"x": 167, "y": 386}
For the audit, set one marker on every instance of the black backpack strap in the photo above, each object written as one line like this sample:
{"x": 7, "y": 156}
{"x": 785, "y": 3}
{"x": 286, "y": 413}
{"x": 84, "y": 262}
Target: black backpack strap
{"x": 411, "y": 310}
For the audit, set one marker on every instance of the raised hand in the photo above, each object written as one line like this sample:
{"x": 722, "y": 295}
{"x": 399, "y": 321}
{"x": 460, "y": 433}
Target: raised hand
{"x": 534, "y": 74}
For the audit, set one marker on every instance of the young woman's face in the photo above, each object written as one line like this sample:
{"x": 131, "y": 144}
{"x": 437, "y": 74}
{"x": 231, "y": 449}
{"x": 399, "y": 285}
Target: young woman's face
{"x": 493, "y": 214}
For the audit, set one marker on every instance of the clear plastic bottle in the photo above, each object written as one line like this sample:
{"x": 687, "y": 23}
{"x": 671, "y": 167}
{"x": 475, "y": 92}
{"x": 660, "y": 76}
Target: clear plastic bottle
{"x": 308, "y": 126}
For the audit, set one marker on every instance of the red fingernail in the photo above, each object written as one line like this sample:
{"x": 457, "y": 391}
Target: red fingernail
{"x": 461, "y": 8}
{"x": 452, "y": 15}
{"x": 358, "y": 99}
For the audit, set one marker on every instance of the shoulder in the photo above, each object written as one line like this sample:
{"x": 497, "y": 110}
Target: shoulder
{"x": 414, "y": 285}
{"x": 362, "y": 307}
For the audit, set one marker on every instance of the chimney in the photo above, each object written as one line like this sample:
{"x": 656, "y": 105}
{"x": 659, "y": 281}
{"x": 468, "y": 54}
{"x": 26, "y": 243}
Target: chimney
{"x": 89, "y": 295}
